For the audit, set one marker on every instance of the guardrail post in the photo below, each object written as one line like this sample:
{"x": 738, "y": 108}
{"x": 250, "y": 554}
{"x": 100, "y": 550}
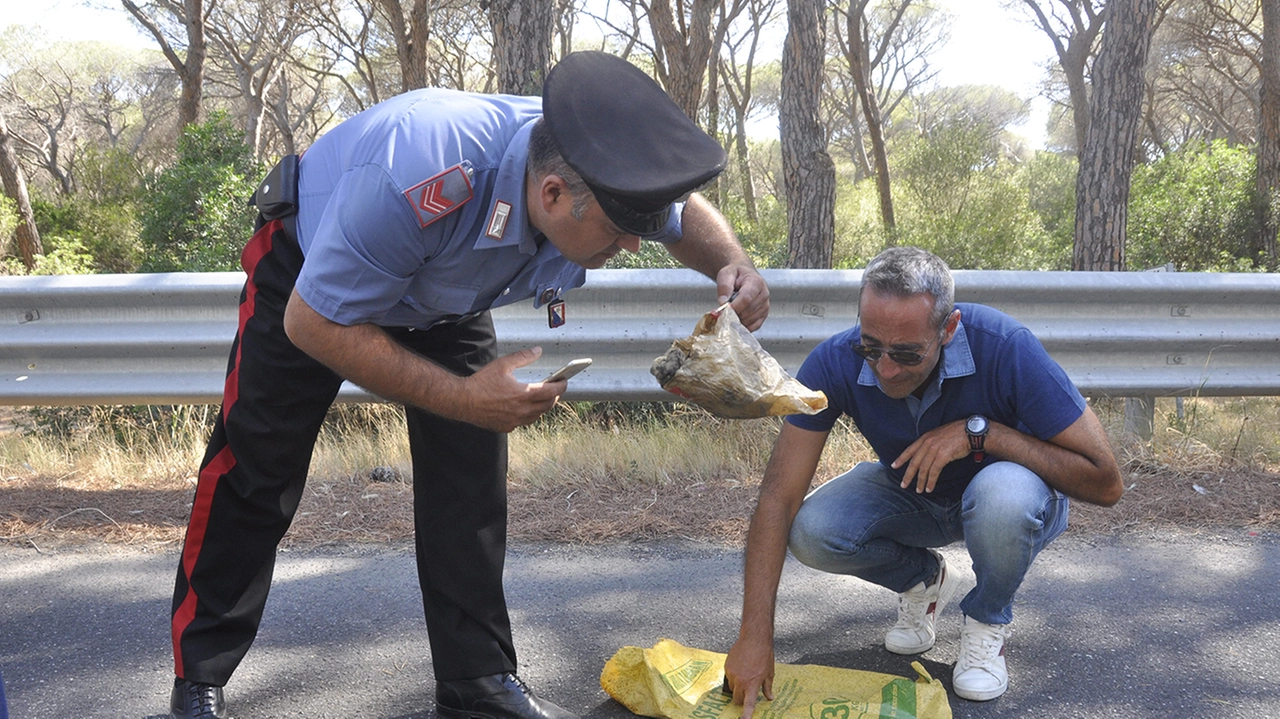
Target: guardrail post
{"x": 1140, "y": 412}
{"x": 1140, "y": 416}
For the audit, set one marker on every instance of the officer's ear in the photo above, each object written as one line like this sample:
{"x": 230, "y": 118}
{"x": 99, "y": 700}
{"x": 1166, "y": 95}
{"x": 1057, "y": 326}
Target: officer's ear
{"x": 553, "y": 193}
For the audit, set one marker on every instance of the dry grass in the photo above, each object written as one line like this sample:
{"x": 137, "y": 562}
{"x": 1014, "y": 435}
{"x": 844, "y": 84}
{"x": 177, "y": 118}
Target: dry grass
{"x": 1217, "y": 465}
{"x": 586, "y": 475}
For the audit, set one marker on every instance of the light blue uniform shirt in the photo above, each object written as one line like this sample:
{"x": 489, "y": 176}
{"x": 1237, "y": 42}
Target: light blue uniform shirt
{"x": 413, "y": 213}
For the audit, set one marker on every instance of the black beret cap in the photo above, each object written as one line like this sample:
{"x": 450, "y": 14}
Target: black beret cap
{"x": 632, "y": 145}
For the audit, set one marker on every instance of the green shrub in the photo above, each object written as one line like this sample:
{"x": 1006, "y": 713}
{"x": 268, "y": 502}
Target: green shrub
{"x": 55, "y": 218}
{"x": 1194, "y": 208}
{"x": 108, "y": 175}
{"x": 114, "y": 242}
{"x": 107, "y": 232}
{"x": 195, "y": 215}
{"x": 860, "y": 232}
{"x": 1050, "y": 179}
{"x": 62, "y": 256}
{"x": 960, "y": 199}
{"x": 8, "y": 221}
{"x": 652, "y": 255}
{"x": 765, "y": 238}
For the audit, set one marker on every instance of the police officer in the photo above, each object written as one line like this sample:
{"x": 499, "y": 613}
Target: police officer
{"x": 411, "y": 221}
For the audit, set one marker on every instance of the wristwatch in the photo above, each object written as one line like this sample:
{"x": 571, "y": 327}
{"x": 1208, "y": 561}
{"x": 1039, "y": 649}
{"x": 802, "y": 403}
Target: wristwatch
{"x": 976, "y": 427}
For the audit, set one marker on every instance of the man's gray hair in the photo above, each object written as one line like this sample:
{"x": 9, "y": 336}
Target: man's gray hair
{"x": 544, "y": 159}
{"x": 906, "y": 271}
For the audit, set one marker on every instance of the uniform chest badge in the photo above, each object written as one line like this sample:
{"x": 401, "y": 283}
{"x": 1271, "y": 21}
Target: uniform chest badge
{"x": 437, "y": 196}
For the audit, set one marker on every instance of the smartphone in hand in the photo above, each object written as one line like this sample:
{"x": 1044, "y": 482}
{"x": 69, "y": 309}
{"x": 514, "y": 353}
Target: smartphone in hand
{"x": 569, "y": 370}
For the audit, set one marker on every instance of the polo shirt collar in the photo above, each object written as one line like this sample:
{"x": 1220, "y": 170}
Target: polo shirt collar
{"x": 957, "y": 360}
{"x": 507, "y": 221}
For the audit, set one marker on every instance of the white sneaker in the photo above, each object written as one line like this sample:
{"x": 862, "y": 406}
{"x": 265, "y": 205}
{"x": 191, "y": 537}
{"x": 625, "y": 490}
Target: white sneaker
{"x": 980, "y": 672}
{"x": 917, "y": 609}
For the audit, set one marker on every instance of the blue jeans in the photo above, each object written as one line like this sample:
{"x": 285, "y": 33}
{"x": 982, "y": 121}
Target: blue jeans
{"x": 864, "y": 524}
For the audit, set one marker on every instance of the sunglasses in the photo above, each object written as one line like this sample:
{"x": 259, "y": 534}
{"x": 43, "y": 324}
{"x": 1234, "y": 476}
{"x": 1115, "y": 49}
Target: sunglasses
{"x": 906, "y": 358}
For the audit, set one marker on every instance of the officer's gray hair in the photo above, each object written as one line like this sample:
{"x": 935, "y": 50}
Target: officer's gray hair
{"x": 906, "y": 271}
{"x": 545, "y": 159}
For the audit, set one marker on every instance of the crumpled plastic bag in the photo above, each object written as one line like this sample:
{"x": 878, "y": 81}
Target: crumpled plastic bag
{"x": 672, "y": 681}
{"x": 723, "y": 369}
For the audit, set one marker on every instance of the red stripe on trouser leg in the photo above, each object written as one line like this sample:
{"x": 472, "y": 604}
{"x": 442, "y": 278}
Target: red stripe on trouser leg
{"x": 257, "y": 248}
{"x": 222, "y": 463}
{"x": 181, "y": 620}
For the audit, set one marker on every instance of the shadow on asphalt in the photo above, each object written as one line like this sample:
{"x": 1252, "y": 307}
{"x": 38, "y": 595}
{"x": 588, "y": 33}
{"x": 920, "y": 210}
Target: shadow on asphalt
{"x": 1129, "y": 627}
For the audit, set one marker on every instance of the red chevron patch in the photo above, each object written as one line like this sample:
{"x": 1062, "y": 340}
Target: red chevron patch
{"x": 437, "y": 196}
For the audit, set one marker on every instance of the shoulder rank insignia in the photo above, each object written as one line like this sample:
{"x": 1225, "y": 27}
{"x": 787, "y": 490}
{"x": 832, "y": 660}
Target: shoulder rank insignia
{"x": 437, "y": 196}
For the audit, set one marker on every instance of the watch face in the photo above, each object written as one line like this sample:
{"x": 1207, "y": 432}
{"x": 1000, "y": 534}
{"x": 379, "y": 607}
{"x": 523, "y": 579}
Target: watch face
{"x": 976, "y": 425}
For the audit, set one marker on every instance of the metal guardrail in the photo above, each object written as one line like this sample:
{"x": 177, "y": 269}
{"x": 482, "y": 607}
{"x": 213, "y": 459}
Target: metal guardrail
{"x": 164, "y": 338}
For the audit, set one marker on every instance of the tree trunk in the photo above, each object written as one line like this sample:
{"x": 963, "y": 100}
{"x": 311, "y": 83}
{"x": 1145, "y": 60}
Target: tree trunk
{"x": 15, "y": 186}
{"x": 522, "y": 31}
{"x": 682, "y": 47}
{"x": 1268, "y": 181}
{"x": 809, "y": 176}
{"x": 1106, "y": 161}
{"x": 193, "y": 77}
{"x": 1073, "y": 66}
{"x": 859, "y": 152}
{"x": 255, "y": 112}
{"x": 412, "y": 32}
{"x": 859, "y": 59}
{"x": 280, "y": 116}
{"x": 716, "y": 187}
{"x": 190, "y": 70}
{"x": 737, "y": 82}
{"x": 744, "y": 168}
{"x": 1073, "y": 48}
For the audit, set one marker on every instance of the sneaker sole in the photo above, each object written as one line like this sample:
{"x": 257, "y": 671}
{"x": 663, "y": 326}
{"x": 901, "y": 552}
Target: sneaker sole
{"x": 904, "y": 650}
{"x": 982, "y": 696}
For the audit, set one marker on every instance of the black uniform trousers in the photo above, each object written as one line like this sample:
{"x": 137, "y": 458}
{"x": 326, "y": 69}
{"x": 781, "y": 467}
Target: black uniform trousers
{"x": 252, "y": 477}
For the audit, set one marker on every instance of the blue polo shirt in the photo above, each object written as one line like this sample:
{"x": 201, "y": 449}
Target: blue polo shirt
{"x": 413, "y": 213}
{"x": 992, "y": 366}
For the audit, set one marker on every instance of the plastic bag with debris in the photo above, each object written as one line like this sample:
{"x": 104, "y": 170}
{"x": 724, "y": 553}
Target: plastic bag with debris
{"x": 672, "y": 681}
{"x": 722, "y": 368}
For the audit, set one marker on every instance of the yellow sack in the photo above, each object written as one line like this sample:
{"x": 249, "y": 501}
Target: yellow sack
{"x": 672, "y": 681}
{"x": 722, "y": 368}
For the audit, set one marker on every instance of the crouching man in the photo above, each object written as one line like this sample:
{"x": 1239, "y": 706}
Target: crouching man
{"x": 981, "y": 437}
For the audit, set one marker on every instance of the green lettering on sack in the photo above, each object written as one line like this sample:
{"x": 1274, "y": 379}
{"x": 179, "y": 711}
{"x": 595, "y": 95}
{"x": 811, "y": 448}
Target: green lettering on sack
{"x": 839, "y": 708}
{"x": 898, "y": 700}
{"x": 712, "y": 705}
{"x": 784, "y": 698}
{"x": 684, "y": 676}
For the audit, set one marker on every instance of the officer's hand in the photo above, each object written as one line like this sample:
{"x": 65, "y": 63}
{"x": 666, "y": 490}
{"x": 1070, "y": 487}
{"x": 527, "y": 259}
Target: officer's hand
{"x": 934, "y": 450}
{"x": 497, "y": 401}
{"x": 752, "y": 302}
{"x": 748, "y": 670}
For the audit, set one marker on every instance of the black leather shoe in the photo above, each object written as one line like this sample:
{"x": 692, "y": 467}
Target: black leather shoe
{"x": 501, "y": 696}
{"x": 193, "y": 700}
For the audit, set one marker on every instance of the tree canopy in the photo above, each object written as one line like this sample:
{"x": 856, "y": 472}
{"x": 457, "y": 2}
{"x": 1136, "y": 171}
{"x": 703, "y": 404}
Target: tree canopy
{"x": 120, "y": 146}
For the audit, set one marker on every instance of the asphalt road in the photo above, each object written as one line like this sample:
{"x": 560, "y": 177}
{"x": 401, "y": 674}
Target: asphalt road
{"x": 1134, "y": 627}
